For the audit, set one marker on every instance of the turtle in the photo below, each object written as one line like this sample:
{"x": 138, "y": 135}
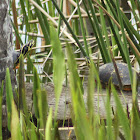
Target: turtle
{"x": 107, "y": 71}
{"x": 24, "y": 50}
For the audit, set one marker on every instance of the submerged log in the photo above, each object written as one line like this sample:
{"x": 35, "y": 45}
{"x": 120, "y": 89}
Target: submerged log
{"x": 64, "y": 108}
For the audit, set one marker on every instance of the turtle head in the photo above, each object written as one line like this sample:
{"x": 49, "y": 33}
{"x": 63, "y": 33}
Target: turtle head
{"x": 26, "y": 48}
{"x": 31, "y": 43}
{"x": 15, "y": 56}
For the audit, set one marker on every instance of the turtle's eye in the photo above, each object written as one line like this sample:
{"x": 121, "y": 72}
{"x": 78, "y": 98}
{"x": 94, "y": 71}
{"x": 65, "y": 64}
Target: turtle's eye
{"x": 31, "y": 45}
{"x": 25, "y": 50}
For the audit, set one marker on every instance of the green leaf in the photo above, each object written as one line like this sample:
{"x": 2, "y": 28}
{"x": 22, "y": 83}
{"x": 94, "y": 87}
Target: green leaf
{"x": 33, "y": 135}
{"x": 48, "y": 131}
{"x": 1, "y": 95}
{"x": 25, "y": 15}
{"x": 15, "y": 125}
{"x": 36, "y": 87}
{"x": 121, "y": 115}
{"x": 71, "y": 31}
{"x": 94, "y": 30}
{"x": 135, "y": 121}
{"x": 59, "y": 20}
{"x": 109, "y": 119}
{"x": 125, "y": 49}
{"x": 82, "y": 124}
{"x": 101, "y": 133}
{"x": 24, "y": 128}
{"x": 43, "y": 23}
{"x": 21, "y": 82}
{"x": 82, "y": 28}
{"x": 51, "y": 9}
{"x": 76, "y": 83}
{"x": 9, "y": 96}
{"x": 58, "y": 64}
{"x": 22, "y": 97}
{"x": 29, "y": 67}
{"x": 42, "y": 107}
{"x": 105, "y": 52}
{"x": 17, "y": 33}
{"x": 91, "y": 90}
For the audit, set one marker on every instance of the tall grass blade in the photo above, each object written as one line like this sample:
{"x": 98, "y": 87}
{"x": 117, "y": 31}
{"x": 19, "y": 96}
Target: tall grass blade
{"x": 135, "y": 117}
{"x": 134, "y": 11}
{"x": 48, "y": 130}
{"x": 90, "y": 96}
{"x": 22, "y": 97}
{"x": 102, "y": 132}
{"x": 121, "y": 115}
{"x": 24, "y": 128}
{"x": 21, "y": 82}
{"x": 59, "y": 20}
{"x": 75, "y": 26}
{"x": 15, "y": 125}
{"x": 9, "y": 97}
{"x": 15, "y": 21}
{"x": 28, "y": 6}
{"x": 135, "y": 122}
{"x": 17, "y": 33}
{"x": 115, "y": 48}
{"x": 94, "y": 29}
{"x": 109, "y": 119}
{"x": 25, "y": 15}
{"x": 33, "y": 135}
{"x": 133, "y": 34}
{"x": 51, "y": 9}
{"x": 42, "y": 107}
{"x": 105, "y": 53}
{"x": 82, "y": 28}
{"x": 117, "y": 19}
{"x": 117, "y": 37}
{"x": 36, "y": 91}
{"x": 29, "y": 68}
{"x": 119, "y": 26}
{"x": 104, "y": 27}
{"x": 58, "y": 65}
{"x": 82, "y": 126}
{"x": 1, "y": 95}
{"x": 22, "y": 100}
{"x": 43, "y": 23}
{"x": 74, "y": 77}
{"x": 114, "y": 28}
{"x": 71, "y": 31}
{"x": 36, "y": 87}
{"x": 130, "y": 26}
{"x": 116, "y": 125}
{"x": 48, "y": 68}
{"x": 125, "y": 49}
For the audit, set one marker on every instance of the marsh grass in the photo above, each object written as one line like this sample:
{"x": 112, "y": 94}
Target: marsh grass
{"x": 87, "y": 124}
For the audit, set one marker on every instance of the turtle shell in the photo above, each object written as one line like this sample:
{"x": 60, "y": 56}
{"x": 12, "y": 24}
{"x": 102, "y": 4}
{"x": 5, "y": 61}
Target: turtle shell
{"x": 107, "y": 71}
